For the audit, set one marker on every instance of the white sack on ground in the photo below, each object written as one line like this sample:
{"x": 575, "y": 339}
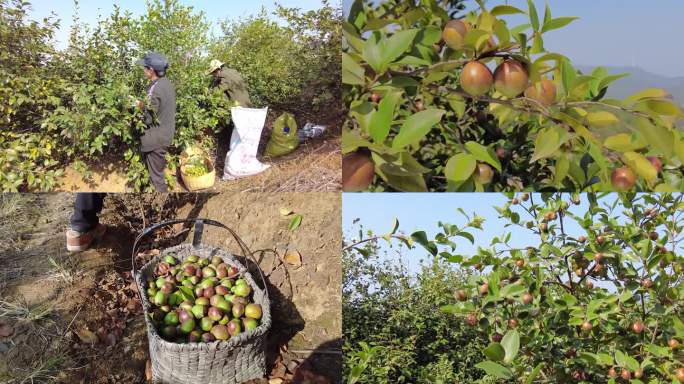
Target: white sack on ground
{"x": 241, "y": 160}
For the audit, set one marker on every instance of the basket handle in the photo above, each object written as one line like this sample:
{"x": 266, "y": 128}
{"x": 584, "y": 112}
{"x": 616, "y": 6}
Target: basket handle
{"x": 196, "y": 241}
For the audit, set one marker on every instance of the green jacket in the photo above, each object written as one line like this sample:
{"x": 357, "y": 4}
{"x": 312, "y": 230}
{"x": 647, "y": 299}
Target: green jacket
{"x": 232, "y": 83}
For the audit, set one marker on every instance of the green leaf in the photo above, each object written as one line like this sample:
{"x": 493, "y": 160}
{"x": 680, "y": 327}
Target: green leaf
{"x": 483, "y": 154}
{"x": 568, "y": 75}
{"x": 467, "y": 236}
{"x": 601, "y": 119}
{"x": 381, "y": 121}
{"x": 476, "y": 38}
{"x": 416, "y": 127}
{"x": 533, "y": 375}
{"x": 661, "y": 107}
{"x": 352, "y": 72}
{"x": 460, "y": 167}
{"x": 557, "y": 23}
{"x": 372, "y": 53}
{"x": 641, "y": 166}
{"x": 534, "y": 17}
{"x": 395, "y": 227}
{"x": 295, "y": 222}
{"x": 623, "y": 142}
{"x": 420, "y": 237}
{"x": 651, "y": 93}
{"x": 511, "y": 344}
{"x": 610, "y": 79}
{"x": 502, "y": 33}
{"x": 401, "y": 174}
{"x": 511, "y": 290}
{"x": 537, "y": 45}
{"x": 494, "y": 369}
{"x": 396, "y": 45}
{"x": 494, "y": 352}
{"x": 500, "y": 10}
{"x": 656, "y": 136}
{"x": 547, "y": 143}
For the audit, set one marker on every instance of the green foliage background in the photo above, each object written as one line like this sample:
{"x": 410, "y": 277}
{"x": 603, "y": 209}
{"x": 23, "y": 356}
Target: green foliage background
{"x": 399, "y": 329}
{"x": 76, "y": 105}
{"x": 396, "y": 315}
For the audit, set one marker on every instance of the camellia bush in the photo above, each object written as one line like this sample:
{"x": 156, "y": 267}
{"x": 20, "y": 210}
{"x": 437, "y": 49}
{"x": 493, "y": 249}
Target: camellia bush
{"x": 76, "y": 105}
{"x": 598, "y": 299}
{"x": 442, "y": 103}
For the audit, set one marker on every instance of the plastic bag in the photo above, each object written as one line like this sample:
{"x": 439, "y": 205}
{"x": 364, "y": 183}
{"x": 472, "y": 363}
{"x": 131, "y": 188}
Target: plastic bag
{"x": 241, "y": 159}
{"x": 284, "y": 137}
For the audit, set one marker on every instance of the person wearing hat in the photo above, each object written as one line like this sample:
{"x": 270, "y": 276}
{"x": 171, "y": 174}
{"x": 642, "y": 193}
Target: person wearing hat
{"x": 230, "y": 81}
{"x": 160, "y": 117}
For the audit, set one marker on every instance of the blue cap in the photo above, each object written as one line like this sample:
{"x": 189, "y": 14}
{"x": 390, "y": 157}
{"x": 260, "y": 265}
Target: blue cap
{"x": 155, "y": 61}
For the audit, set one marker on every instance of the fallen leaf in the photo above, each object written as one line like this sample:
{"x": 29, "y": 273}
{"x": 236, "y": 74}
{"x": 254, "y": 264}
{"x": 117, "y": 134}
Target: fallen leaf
{"x": 295, "y": 222}
{"x": 6, "y": 330}
{"x": 285, "y": 211}
{"x": 275, "y": 381}
{"x": 293, "y": 257}
{"x": 86, "y": 336}
{"x": 148, "y": 370}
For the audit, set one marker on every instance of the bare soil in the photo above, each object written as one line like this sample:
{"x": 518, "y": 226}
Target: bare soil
{"x": 75, "y": 318}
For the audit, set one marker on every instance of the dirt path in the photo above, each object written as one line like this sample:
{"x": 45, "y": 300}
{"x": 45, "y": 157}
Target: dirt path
{"x": 75, "y": 318}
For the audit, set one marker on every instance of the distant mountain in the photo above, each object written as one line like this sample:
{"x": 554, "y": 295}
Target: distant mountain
{"x": 640, "y": 79}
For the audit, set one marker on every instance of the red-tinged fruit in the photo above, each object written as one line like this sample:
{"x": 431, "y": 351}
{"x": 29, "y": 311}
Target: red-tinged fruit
{"x": 638, "y": 327}
{"x": 454, "y": 33}
{"x": 511, "y": 78}
{"x": 358, "y": 171}
{"x": 476, "y": 78}
{"x": 657, "y": 164}
{"x": 484, "y": 174}
{"x": 527, "y": 298}
{"x": 623, "y": 179}
{"x": 543, "y": 92}
{"x": 471, "y": 319}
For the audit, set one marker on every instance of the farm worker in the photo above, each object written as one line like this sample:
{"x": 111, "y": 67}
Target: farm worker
{"x": 84, "y": 227}
{"x": 160, "y": 117}
{"x": 230, "y": 81}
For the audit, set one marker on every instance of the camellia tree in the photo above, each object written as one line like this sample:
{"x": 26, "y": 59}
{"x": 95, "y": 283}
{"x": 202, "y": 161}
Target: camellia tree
{"x": 438, "y": 103}
{"x": 599, "y": 298}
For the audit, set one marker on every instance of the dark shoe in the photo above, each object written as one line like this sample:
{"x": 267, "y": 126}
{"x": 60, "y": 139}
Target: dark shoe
{"x": 80, "y": 241}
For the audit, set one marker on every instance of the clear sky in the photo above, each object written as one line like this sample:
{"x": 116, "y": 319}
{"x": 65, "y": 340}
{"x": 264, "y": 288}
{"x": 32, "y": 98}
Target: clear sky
{"x": 422, "y": 211}
{"x": 646, "y": 34}
{"x": 215, "y": 10}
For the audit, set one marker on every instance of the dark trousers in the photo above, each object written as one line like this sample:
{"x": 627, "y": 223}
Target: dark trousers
{"x": 156, "y": 163}
{"x": 86, "y": 209}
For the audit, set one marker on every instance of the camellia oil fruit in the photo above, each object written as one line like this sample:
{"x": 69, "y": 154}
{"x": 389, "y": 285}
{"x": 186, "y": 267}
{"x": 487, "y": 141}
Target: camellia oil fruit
{"x": 511, "y": 78}
{"x": 623, "y": 179}
{"x": 543, "y": 92}
{"x": 454, "y": 33}
{"x": 357, "y": 171}
{"x": 476, "y": 78}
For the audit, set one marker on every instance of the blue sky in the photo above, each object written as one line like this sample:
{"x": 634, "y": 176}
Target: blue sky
{"x": 215, "y": 10}
{"x": 614, "y": 32}
{"x": 422, "y": 211}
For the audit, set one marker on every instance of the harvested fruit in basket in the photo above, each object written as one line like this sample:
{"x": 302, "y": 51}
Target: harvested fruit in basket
{"x": 196, "y": 166}
{"x": 200, "y": 300}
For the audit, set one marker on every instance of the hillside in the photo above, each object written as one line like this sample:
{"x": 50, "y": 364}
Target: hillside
{"x": 640, "y": 79}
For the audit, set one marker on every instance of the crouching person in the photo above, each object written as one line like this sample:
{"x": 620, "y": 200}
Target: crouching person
{"x": 160, "y": 118}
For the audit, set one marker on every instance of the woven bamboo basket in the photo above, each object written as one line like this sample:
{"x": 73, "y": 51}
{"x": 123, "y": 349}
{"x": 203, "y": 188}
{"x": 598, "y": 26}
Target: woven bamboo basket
{"x": 236, "y": 360}
{"x": 195, "y": 183}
